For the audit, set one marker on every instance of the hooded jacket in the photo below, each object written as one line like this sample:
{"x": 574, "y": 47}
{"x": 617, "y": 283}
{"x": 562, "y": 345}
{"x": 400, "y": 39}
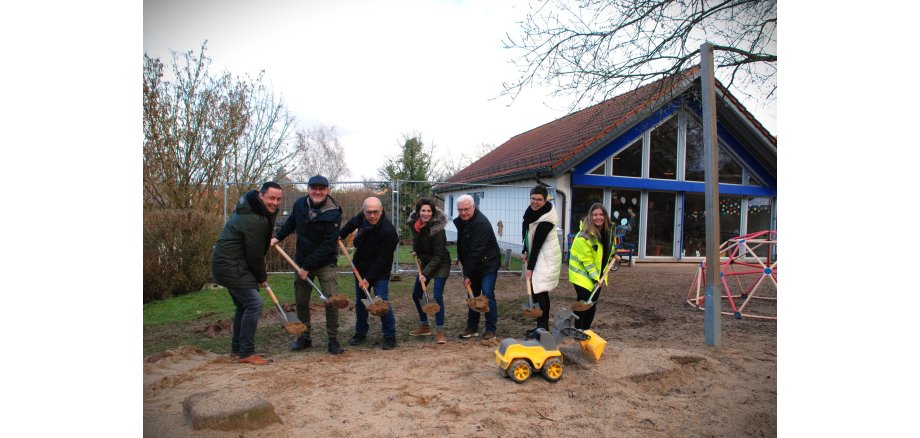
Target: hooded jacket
{"x": 477, "y": 248}
{"x": 238, "y": 260}
{"x": 317, "y": 231}
{"x": 430, "y": 244}
{"x": 374, "y": 246}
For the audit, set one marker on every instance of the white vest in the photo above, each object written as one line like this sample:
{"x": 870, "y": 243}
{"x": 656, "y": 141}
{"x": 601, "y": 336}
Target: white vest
{"x": 546, "y": 271}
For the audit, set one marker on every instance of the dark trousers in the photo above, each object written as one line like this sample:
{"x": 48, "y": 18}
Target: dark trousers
{"x": 326, "y": 277}
{"x": 586, "y": 317}
{"x": 543, "y": 300}
{"x": 248, "y": 309}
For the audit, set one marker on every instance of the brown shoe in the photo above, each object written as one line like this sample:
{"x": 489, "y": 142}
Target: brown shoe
{"x": 422, "y": 330}
{"x": 255, "y": 359}
{"x": 440, "y": 337}
{"x": 488, "y": 336}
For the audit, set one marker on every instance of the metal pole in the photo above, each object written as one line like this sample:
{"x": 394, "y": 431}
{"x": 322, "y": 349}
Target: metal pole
{"x": 225, "y": 201}
{"x": 713, "y": 295}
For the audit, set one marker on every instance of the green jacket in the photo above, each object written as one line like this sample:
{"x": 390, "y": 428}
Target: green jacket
{"x": 586, "y": 259}
{"x": 238, "y": 260}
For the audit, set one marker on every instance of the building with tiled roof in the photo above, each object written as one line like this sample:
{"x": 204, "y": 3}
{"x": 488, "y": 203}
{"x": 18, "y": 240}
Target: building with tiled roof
{"x": 641, "y": 155}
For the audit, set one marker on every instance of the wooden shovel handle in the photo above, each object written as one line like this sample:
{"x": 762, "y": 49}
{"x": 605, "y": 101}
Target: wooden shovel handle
{"x": 272, "y": 295}
{"x": 469, "y": 290}
{"x": 419, "y": 267}
{"x": 287, "y": 257}
{"x": 354, "y": 269}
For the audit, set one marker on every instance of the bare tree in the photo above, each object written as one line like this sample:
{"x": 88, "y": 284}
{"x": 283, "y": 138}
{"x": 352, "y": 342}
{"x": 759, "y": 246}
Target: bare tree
{"x": 201, "y": 129}
{"x": 449, "y": 166}
{"x": 595, "y": 49}
{"x": 319, "y": 151}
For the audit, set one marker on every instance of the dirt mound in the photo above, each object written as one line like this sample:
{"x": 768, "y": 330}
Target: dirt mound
{"x": 431, "y": 308}
{"x": 378, "y": 308}
{"x": 479, "y": 304}
{"x": 338, "y": 301}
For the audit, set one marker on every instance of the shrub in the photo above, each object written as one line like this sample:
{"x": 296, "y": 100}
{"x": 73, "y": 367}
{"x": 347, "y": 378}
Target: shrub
{"x": 177, "y": 251}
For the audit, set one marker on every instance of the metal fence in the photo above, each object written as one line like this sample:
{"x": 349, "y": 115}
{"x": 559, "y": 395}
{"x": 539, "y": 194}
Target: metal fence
{"x": 503, "y": 205}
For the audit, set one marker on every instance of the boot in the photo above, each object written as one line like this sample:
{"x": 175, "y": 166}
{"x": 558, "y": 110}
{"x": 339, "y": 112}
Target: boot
{"x": 388, "y": 343}
{"x": 303, "y": 342}
{"x": 334, "y": 347}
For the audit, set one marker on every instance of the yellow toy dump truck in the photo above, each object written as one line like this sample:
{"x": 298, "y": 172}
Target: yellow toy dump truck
{"x": 519, "y": 359}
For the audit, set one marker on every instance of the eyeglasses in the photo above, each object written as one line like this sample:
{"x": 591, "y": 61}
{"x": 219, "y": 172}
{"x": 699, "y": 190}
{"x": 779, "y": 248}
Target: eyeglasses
{"x": 372, "y": 212}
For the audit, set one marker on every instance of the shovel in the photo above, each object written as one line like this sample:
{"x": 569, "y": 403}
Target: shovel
{"x": 294, "y": 328}
{"x": 530, "y": 309}
{"x": 581, "y": 306}
{"x": 297, "y": 270}
{"x": 431, "y": 308}
{"x": 371, "y": 299}
{"x": 478, "y": 304}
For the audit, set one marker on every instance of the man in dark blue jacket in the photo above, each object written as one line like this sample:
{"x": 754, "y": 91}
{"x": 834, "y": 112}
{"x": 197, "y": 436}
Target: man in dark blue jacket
{"x": 375, "y": 242}
{"x": 238, "y": 263}
{"x": 478, "y": 252}
{"x": 316, "y": 218}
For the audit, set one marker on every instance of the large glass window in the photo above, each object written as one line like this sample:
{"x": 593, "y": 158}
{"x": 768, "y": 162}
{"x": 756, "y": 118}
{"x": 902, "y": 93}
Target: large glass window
{"x": 694, "y": 222}
{"x": 625, "y": 205}
{"x": 599, "y": 170}
{"x": 582, "y": 198}
{"x": 663, "y": 150}
{"x": 629, "y": 161}
{"x": 695, "y": 169}
{"x": 729, "y": 217}
{"x": 660, "y": 224}
{"x": 759, "y": 218}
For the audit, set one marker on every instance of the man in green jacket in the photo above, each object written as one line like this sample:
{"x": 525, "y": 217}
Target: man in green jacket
{"x": 238, "y": 263}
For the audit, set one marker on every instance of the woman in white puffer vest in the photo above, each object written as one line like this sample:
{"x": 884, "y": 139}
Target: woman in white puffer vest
{"x": 541, "y": 251}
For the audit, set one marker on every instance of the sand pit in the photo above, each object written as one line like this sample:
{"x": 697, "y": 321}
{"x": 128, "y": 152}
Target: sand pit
{"x": 656, "y": 378}
{"x": 338, "y": 301}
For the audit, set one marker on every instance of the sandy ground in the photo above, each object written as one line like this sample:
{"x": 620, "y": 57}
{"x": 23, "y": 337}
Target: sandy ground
{"x": 657, "y": 377}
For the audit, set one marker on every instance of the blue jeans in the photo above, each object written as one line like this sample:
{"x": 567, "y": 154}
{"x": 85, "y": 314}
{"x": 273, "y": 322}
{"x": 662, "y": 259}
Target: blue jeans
{"x": 248, "y": 309}
{"x": 388, "y": 319}
{"x": 438, "y": 297}
{"x": 484, "y": 285}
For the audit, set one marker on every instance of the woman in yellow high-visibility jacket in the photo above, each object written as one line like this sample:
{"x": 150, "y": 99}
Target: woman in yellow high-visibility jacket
{"x": 589, "y": 255}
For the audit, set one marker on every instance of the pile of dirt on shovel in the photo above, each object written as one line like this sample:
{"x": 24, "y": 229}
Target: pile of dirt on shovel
{"x": 295, "y": 328}
{"x": 431, "y": 308}
{"x": 580, "y": 307}
{"x": 378, "y": 308}
{"x": 479, "y": 304}
{"x": 533, "y": 312}
{"x": 338, "y": 301}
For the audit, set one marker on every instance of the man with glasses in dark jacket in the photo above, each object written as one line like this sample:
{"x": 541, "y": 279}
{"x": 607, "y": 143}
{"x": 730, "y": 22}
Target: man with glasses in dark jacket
{"x": 478, "y": 253}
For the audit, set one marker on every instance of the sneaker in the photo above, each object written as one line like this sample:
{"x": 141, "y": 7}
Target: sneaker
{"x": 303, "y": 342}
{"x": 488, "y": 336}
{"x": 440, "y": 338}
{"x": 388, "y": 343}
{"x": 468, "y": 333}
{"x": 235, "y": 354}
{"x": 334, "y": 347}
{"x": 422, "y": 330}
{"x": 357, "y": 339}
{"x": 255, "y": 359}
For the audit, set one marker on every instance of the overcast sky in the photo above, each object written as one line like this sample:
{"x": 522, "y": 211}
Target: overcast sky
{"x": 376, "y": 70}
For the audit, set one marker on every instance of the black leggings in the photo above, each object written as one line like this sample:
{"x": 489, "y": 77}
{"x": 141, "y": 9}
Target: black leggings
{"x": 543, "y": 300}
{"x": 586, "y": 317}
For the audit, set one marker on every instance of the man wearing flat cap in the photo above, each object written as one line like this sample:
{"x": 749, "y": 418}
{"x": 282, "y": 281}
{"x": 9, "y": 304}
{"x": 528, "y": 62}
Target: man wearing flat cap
{"x": 316, "y": 218}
